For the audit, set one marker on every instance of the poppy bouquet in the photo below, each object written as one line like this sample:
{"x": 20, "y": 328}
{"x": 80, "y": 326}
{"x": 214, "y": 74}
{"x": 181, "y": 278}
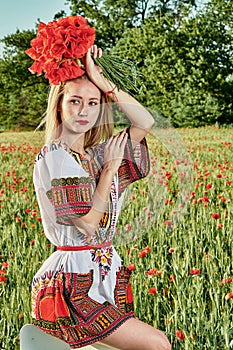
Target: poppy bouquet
{"x": 59, "y": 47}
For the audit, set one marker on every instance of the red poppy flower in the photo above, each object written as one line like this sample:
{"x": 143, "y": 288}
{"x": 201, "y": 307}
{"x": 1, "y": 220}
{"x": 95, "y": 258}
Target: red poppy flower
{"x": 180, "y": 335}
{"x": 151, "y": 272}
{"x": 147, "y": 249}
{"x": 131, "y": 267}
{"x": 171, "y": 250}
{"x": 142, "y": 254}
{"x": 208, "y": 186}
{"x": 153, "y": 291}
{"x": 172, "y": 278}
{"x": 194, "y": 271}
{"x": 216, "y": 216}
{"x": 2, "y": 279}
{"x": 229, "y": 296}
{"x": 168, "y": 223}
{"x": 226, "y": 280}
{"x": 5, "y": 264}
{"x": 58, "y": 47}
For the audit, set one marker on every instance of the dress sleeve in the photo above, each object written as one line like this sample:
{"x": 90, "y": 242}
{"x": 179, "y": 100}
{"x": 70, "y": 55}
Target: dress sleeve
{"x": 135, "y": 164}
{"x": 68, "y": 188}
{"x": 71, "y": 197}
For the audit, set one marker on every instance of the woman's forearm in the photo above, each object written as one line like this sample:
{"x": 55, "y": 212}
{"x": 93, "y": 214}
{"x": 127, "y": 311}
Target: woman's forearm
{"x": 89, "y": 222}
{"x": 113, "y": 154}
{"x": 137, "y": 114}
{"x": 140, "y": 118}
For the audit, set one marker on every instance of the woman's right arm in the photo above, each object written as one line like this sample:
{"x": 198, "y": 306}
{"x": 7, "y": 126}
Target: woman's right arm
{"x": 113, "y": 154}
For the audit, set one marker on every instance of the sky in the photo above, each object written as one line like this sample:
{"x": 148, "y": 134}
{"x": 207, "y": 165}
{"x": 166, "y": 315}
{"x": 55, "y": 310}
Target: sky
{"x": 23, "y": 14}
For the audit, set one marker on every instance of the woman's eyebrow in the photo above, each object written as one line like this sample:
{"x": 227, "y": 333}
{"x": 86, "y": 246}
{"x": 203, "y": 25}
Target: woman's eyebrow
{"x": 91, "y": 98}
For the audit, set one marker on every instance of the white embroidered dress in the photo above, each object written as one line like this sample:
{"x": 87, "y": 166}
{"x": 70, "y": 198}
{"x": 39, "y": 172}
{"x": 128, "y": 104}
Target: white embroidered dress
{"x": 64, "y": 185}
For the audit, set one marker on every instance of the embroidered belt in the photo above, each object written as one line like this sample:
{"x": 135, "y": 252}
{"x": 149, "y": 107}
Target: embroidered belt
{"x": 83, "y": 247}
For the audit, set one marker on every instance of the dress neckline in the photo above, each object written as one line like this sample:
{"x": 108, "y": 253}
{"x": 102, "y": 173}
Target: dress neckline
{"x": 86, "y": 157}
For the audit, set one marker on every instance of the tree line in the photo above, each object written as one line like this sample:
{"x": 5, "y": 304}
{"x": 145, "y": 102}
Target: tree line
{"x": 183, "y": 51}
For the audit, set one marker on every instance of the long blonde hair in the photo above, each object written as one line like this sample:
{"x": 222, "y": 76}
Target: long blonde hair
{"x": 53, "y": 123}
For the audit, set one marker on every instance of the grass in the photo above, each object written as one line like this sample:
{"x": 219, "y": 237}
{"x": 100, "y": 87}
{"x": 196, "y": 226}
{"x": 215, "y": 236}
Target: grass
{"x": 177, "y": 236}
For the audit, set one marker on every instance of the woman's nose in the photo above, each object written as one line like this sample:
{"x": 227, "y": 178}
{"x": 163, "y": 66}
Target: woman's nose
{"x": 83, "y": 110}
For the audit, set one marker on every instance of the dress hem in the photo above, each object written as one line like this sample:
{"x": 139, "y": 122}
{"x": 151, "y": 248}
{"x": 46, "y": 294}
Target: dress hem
{"x": 95, "y": 339}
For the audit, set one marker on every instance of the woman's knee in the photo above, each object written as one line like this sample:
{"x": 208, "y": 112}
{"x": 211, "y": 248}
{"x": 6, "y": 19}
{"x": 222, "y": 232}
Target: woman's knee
{"x": 159, "y": 342}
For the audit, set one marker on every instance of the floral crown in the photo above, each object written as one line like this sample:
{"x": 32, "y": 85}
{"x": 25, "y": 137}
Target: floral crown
{"x": 59, "y": 47}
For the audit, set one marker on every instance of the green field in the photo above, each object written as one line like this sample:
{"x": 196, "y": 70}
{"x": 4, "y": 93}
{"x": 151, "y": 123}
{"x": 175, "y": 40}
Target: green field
{"x": 176, "y": 226}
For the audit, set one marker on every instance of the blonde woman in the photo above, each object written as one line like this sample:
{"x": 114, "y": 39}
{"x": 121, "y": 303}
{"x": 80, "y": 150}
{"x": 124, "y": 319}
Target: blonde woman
{"x": 82, "y": 293}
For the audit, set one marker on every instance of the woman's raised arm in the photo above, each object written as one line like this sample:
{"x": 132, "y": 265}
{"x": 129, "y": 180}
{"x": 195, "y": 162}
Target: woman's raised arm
{"x": 140, "y": 118}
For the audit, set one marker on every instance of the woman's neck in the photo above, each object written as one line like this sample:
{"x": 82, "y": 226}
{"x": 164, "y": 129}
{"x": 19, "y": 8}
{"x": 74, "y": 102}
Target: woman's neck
{"x": 74, "y": 141}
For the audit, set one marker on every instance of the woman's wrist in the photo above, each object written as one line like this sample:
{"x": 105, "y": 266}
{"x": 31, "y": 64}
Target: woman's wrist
{"x": 107, "y": 170}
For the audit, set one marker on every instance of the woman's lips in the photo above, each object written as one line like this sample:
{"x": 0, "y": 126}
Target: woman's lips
{"x": 82, "y": 122}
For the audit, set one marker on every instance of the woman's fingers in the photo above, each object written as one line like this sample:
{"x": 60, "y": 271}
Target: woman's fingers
{"x": 121, "y": 139}
{"x": 96, "y": 51}
{"x": 99, "y": 52}
{"x": 117, "y": 140}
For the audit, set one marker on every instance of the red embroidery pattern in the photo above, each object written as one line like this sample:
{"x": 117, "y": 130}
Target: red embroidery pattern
{"x": 62, "y": 307}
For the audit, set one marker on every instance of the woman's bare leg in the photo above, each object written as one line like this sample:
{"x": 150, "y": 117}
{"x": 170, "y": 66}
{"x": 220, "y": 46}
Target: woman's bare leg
{"x": 134, "y": 334}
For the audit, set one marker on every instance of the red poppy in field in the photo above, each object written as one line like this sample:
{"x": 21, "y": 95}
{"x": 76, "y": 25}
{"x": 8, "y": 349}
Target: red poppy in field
{"x": 215, "y": 216}
{"x": 168, "y": 175}
{"x": 180, "y": 335}
{"x": 204, "y": 199}
{"x": 229, "y": 296}
{"x": 171, "y": 250}
{"x": 168, "y": 223}
{"x": 142, "y": 254}
{"x": 153, "y": 291}
{"x": 147, "y": 249}
{"x": 131, "y": 267}
{"x": 5, "y": 264}
{"x": 226, "y": 281}
{"x": 2, "y": 279}
{"x": 151, "y": 272}
{"x": 172, "y": 278}
{"x": 128, "y": 227}
{"x": 195, "y": 271}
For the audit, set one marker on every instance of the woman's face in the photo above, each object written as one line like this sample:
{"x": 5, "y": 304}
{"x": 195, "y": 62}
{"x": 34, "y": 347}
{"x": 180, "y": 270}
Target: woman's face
{"x": 80, "y": 106}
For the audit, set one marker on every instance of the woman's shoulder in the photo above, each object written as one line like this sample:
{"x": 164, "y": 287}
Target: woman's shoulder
{"x": 97, "y": 149}
{"x": 49, "y": 147}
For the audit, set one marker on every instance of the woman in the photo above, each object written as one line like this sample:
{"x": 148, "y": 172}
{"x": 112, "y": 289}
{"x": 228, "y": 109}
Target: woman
{"x": 82, "y": 293}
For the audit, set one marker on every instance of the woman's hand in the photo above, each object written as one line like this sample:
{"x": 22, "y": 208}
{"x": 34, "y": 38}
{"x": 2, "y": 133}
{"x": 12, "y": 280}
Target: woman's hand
{"x": 114, "y": 151}
{"x": 94, "y": 72}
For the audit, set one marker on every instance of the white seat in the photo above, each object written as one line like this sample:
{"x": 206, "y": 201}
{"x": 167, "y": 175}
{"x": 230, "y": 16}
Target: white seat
{"x": 33, "y": 338}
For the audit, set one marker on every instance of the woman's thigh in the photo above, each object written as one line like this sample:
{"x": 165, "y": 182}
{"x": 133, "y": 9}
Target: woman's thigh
{"x": 134, "y": 334}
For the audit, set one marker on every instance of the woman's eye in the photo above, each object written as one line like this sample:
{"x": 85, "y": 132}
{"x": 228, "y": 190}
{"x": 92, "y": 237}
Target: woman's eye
{"x": 93, "y": 103}
{"x": 75, "y": 102}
